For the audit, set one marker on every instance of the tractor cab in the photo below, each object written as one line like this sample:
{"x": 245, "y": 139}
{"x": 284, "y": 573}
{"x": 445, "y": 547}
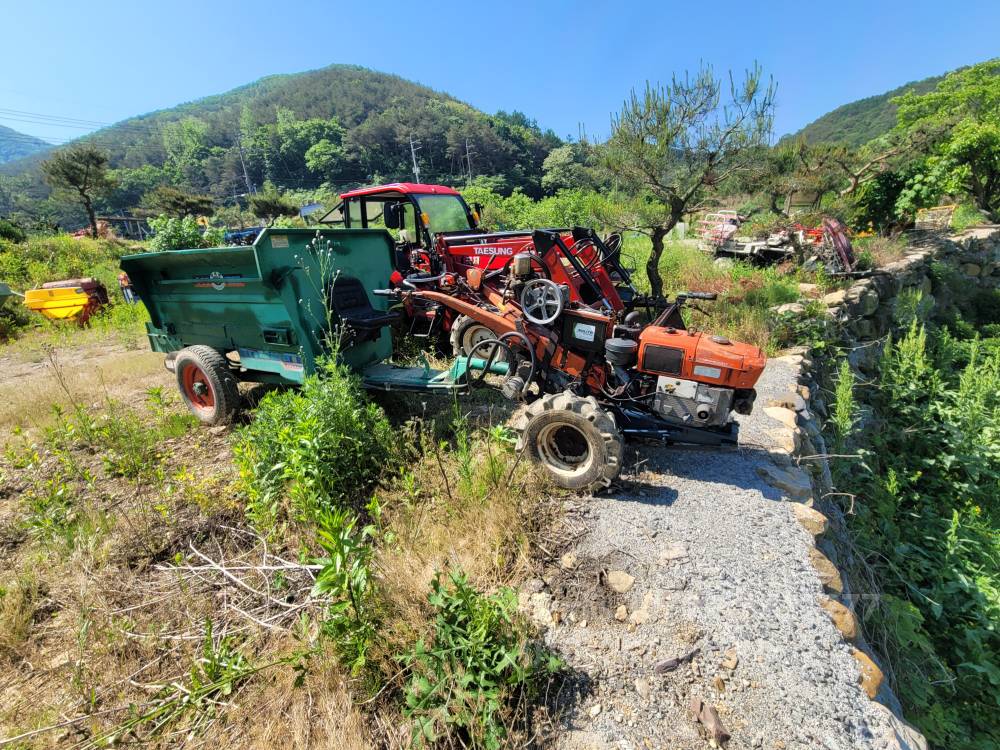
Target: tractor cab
{"x": 415, "y": 214}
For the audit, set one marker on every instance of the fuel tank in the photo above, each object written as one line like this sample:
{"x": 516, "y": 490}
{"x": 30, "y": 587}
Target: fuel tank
{"x": 698, "y": 356}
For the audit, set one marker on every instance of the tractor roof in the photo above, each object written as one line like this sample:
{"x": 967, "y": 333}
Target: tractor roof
{"x": 400, "y": 188}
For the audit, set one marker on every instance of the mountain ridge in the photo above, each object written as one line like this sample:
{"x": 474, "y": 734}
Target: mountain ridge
{"x": 858, "y": 122}
{"x": 17, "y": 145}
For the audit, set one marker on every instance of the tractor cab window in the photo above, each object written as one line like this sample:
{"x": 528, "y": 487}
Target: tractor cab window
{"x": 445, "y": 213}
{"x": 399, "y": 218}
{"x": 354, "y": 212}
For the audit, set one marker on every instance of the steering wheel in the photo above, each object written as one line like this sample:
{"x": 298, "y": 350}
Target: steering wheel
{"x": 541, "y": 301}
{"x": 582, "y": 245}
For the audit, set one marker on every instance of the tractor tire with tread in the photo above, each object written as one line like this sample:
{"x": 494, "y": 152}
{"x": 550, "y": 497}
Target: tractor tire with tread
{"x": 572, "y": 438}
{"x": 463, "y": 335}
{"x": 208, "y": 387}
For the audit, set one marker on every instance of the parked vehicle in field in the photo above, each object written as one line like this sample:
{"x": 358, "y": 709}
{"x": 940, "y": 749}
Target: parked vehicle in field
{"x": 265, "y": 313}
{"x": 587, "y": 376}
{"x": 70, "y": 299}
{"x": 438, "y": 234}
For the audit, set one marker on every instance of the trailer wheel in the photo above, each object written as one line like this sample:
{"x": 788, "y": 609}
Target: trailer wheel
{"x": 207, "y": 386}
{"x": 466, "y": 333}
{"x": 574, "y": 440}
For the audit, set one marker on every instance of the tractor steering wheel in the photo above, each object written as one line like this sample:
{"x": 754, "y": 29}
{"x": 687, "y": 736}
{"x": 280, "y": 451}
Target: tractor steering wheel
{"x": 541, "y": 301}
{"x": 582, "y": 245}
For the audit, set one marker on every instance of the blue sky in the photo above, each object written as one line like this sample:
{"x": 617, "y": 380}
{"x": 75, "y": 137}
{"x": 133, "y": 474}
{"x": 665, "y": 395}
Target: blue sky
{"x": 569, "y": 65}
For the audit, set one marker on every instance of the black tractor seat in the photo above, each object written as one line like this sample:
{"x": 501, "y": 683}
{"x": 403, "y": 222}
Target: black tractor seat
{"x": 349, "y": 300}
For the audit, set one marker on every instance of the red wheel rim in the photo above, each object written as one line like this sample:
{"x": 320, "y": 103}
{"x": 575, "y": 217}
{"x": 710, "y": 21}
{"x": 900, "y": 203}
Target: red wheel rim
{"x": 197, "y": 390}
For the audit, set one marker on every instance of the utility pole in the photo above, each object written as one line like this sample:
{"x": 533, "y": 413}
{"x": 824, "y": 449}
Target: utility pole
{"x": 414, "y": 147}
{"x": 468, "y": 159}
{"x": 246, "y": 177}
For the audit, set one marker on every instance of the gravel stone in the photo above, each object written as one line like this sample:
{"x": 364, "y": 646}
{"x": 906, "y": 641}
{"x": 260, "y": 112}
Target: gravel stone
{"x": 745, "y": 582}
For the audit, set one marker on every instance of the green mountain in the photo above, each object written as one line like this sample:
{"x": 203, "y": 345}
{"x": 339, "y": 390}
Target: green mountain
{"x": 336, "y": 127}
{"x": 859, "y": 122}
{"x": 15, "y": 145}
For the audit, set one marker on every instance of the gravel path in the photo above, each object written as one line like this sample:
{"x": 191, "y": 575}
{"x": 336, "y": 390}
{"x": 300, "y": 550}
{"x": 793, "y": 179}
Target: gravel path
{"x": 720, "y": 569}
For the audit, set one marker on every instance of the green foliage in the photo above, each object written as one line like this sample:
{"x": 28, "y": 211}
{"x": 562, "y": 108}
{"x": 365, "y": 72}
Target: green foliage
{"x": 172, "y": 233}
{"x": 844, "y": 414}
{"x": 465, "y": 680}
{"x": 179, "y": 203}
{"x": 318, "y": 447}
{"x": 573, "y": 166}
{"x": 966, "y": 215}
{"x": 674, "y": 144}
{"x": 346, "y": 579}
{"x": 269, "y": 204}
{"x": 11, "y": 232}
{"x": 82, "y": 172}
{"x": 927, "y": 518}
{"x": 961, "y": 120}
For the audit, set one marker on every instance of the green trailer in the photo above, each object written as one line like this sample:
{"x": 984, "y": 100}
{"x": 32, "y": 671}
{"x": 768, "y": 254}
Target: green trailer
{"x": 266, "y": 313}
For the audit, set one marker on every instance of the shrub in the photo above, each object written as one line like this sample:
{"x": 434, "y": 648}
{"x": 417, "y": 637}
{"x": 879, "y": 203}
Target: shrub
{"x": 465, "y": 681}
{"x": 318, "y": 447}
{"x": 926, "y": 516}
{"x": 172, "y": 233}
{"x": 11, "y": 231}
{"x": 966, "y": 215}
{"x": 346, "y": 579}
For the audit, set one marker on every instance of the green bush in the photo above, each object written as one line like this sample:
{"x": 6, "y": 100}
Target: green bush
{"x": 927, "y": 516}
{"x": 466, "y": 679}
{"x": 346, "y": 580}
{"x": 966, "y": 215}
{"x": 11, "y": 231}
{"x": 171, "y": 233}
{"x": 316, "y": 447}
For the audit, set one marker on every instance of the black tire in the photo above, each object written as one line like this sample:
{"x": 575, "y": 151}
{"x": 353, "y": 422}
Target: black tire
{"x": 465, "y": 333}
{"x": 573, "y": 439}
{"x": 207, "y": 386}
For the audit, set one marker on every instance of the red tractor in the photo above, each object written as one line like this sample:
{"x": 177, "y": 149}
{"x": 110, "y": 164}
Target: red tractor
{"x": 439, "y": 242}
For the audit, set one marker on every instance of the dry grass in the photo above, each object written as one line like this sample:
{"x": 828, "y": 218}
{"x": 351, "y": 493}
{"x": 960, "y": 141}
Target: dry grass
{"x": 275, "y": 712}
{"x": 882, "y": 250}
{"x": 486, "y": 519}
{"x": 112, "y": 580}
{"x": 30, "y": 388}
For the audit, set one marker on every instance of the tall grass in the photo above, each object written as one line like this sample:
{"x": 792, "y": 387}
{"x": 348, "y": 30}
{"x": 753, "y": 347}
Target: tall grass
{"x": 927, "y": 519}
{"x": 746, "y": 292}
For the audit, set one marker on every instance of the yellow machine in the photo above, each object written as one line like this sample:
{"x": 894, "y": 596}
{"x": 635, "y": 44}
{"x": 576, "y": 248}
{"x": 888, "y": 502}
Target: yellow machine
{"x": 73, "y": 299}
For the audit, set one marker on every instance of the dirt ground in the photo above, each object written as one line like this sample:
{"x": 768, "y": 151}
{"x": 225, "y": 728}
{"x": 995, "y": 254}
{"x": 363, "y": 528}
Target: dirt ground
{"x": 34, "y": 379}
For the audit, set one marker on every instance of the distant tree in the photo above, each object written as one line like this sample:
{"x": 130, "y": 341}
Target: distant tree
{"x": 959, "y": 122}
{"x": 671, "y": 145}
{"x": 82, "y": 170}
{"x": 569, "y": 166}
{"x": 269, "y": 204}
{"x": 175, "y": 202}
{"x": 325, "y": 158}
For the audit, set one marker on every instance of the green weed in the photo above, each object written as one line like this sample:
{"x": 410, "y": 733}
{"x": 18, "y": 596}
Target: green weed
{"x": 319, "y": 446}
{"x": 465, "y": 679}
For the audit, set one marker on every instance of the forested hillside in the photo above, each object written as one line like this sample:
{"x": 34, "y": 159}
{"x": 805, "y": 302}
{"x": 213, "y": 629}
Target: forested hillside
{"x": 338, "y": 126}
{"x": 857, "y": 123}
{"x": 15, "y": 145}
